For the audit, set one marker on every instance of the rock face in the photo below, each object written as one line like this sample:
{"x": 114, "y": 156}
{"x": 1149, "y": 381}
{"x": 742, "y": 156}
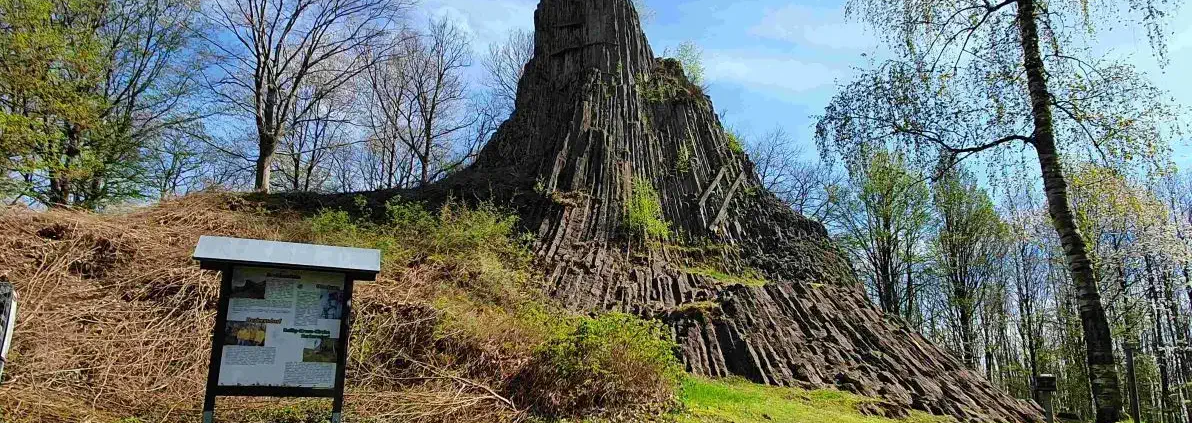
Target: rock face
{"x": 598, "y": 116}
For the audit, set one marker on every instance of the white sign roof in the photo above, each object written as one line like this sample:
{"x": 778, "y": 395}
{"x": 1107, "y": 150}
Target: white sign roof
{"x": 307, "y": 256}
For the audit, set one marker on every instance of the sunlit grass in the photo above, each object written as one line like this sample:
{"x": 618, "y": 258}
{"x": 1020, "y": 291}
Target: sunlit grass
{"x": 739, "y": 401}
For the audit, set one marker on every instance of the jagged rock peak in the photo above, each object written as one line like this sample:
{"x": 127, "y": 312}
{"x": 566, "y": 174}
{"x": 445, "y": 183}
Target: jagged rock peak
{"x": 573, "y": 37}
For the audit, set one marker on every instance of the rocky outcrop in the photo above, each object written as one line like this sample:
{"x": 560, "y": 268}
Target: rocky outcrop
{"x": 597, "y": 114}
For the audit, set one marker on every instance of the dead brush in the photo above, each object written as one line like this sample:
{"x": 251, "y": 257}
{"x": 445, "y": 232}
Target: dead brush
{"x": 115, "y": 322}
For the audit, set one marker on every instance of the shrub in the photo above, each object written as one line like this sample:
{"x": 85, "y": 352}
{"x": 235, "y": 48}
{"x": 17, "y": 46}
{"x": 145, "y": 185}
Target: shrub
{"x": 611, "y": 364}
{"x": 328, "y": 221}
{"x": 683, "y": 160}
{"x": 666, "y": 82}
{"x": 747, "y": 276}
{"x": 734, "y": 142}
{"x": 409, "y": 215}
{"x": 644, "y": 217}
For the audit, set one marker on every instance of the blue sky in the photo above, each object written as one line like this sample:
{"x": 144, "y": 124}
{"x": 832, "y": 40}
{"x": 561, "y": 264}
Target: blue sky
{"x": 776, "y": 62}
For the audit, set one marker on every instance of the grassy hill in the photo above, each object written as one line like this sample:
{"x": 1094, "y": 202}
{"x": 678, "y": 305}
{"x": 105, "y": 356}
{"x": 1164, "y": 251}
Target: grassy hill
{"x": 115, "y": 320}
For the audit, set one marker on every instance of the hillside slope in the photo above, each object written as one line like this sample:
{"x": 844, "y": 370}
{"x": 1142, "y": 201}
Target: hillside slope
{"x": 115, "y": 321}
{"x": 115, "y": 318}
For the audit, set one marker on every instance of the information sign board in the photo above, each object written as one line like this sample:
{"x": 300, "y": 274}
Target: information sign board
{"x": 282, "y": 328}
{"x": 283, "y": 319}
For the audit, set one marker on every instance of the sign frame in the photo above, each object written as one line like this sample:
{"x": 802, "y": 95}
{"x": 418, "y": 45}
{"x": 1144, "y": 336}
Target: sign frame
{"x": 219, "y": 253}
{"x": 8, "y": 316}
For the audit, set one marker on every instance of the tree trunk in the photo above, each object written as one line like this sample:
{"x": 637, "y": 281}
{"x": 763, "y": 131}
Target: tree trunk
{"x": 910, "y": 300}
{"x": 1158, "y": 341}
{"x": 268, "y": 145}
{"x": 59, "y": 193}
{"x": 968, "y": 337}
{"x": 1103, "y": 378}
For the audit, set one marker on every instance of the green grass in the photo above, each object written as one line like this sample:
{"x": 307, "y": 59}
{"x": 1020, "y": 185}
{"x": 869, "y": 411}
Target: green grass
{"x": 748, "y": 278}
{"x": 739, "y": 401}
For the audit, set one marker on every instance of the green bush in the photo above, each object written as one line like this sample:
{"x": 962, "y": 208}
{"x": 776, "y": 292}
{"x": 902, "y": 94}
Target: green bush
{"x": 477, "y": 249}
{"x": 611, "y": 364}
{"x": 683, "y": 160}
{"x": 328, "y": 221}
{"x": 734, "y": 142}
{"x": 408, "y": 215}
{"x": 644, "y": 218}
{"x": 666, "y": 82}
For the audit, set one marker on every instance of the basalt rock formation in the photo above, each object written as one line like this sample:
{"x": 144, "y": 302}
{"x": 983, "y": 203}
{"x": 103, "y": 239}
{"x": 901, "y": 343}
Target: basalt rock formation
{"x": 749, "y": 287}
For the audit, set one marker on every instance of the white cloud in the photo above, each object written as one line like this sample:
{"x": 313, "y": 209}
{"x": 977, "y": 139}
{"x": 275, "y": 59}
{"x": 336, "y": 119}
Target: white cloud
{"x": 767, "y": 73}
{"x": 458, "y": 17}
{"x": 817, "y": 27}
{"x": 1181, "y": 41}
{"x": 487, "y": 20}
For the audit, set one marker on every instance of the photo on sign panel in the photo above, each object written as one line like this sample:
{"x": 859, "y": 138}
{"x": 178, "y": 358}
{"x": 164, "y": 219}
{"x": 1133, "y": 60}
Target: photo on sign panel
{"x": 248, "y": 289}
{"x": 320, "y": 350}
{"x": 332, "y": 300}
{"x": 249, "y": 334}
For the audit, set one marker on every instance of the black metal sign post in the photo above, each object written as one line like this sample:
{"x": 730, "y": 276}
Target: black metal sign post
{"x": 238, "y": 258}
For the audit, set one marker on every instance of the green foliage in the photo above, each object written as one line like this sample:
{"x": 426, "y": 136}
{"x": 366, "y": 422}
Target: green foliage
{"x": 696, "y": 307}
{"x": 734, "y": 141}
{"x": 643, "y": 217}
{"x": 683, "y": 160}
{"x": 612, "y": 361}
{"x": 48, "y": 111}
{"x": 661, "y": 90}
{"x": 330, "y": 221}
{"x": 666, "y": 82}
{"x": 84, "y": 97}
{"x": 409, "y": 226}
{"x": 479, "y": 243}
{"x": 748, "y": 277}
{"x": 410, "y": 215}
{"x": 691, "y": 57}
{"x": 739, "y": 401}
{"x": 969, "y": 227}
{"x": 300, "y": 412}
{"x": 881, "y": 218}
{"x": 966, "y": 249}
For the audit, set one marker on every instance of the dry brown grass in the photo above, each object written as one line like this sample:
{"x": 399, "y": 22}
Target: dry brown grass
{"x": 115, "y": 322}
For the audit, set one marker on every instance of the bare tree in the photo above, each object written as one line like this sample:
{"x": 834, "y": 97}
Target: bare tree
{"x": 419, "y": 99}
{"x": 505, "y": 63}
{"x": 386, "y": 161}
{"x": 271, "y": 48}
{"x": 807, "y": 186}
{"x": 438, "y": 96}
{"x": 312, "y": 140}
{"x": 173, "y": 165}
